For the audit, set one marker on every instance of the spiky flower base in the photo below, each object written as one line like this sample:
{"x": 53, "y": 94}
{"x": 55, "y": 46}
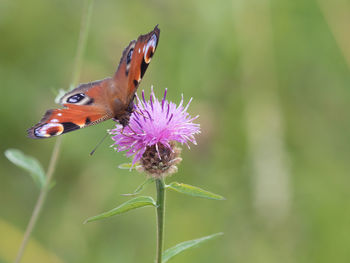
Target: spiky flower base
{"x": 159, "y": 160}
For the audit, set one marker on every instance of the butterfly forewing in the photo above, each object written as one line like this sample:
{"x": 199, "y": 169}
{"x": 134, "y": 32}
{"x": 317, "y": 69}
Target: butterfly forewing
{"x": 142, "y": 54}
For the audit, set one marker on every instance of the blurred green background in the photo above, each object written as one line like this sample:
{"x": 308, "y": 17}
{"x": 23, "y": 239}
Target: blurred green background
{"x": 270, "y": 80}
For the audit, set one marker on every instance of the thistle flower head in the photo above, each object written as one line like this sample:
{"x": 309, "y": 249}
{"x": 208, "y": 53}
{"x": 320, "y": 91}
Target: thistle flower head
{"x": 153, "y": 129}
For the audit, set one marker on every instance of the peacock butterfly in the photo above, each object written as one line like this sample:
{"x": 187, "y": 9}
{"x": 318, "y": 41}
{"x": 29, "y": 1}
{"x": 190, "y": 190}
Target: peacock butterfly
{"x": 97, "y": 101}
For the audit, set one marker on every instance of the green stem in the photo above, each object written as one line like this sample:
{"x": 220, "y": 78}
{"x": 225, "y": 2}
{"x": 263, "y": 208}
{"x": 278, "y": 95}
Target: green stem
{"x": 41, "y": 200}
{"x": 53, "y": 161}
{"x": 83, "y": 34}
{"x": 160, "y": 218}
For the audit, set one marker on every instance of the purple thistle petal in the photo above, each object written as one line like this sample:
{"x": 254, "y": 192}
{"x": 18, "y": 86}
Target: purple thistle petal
{"x": 165, "y": 92}
{"x": 181, "y": 102}
{"x": 139, "y": 102}
{"x": 167, "y": 113}
{"x": 163, "y": 100}
{"x": 149, "y": 115}
{"x": 136, "y": 115}
{"x": 138, "y": 123}
{"x": 158, "y": 127}
{"x": 150, "y": 99}
{"x": 188, "y": 104}
{"x": 143, "y": 97}
{"x": 171, "y": 116}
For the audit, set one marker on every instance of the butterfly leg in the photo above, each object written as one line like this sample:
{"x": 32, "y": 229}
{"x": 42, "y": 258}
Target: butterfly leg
{"x": 125, "y": 118}
{"x": 132, "y": 108}
{"x": 122, "y": 132}
{"x": 124, "y": 121}
{"x": 140, "y": 113}
{"x": 131, "y": 129}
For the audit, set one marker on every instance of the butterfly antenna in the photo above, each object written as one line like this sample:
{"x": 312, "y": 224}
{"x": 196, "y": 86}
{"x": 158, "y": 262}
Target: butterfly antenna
{"x": 93, "y": 151}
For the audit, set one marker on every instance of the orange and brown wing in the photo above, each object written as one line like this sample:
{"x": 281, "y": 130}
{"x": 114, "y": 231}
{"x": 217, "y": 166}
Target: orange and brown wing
{"x": 133, "y": 64}
{"x": 84, "y": 106}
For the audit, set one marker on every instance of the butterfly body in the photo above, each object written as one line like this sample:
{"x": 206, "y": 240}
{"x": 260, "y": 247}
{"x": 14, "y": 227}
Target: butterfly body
{"x": 94, "y": 102}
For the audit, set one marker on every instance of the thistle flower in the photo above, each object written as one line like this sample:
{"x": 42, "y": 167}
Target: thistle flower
{"x": 154, "y": 128}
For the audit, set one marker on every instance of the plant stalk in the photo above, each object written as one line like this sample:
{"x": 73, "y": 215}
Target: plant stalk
{"x": 160, "y": 218}
{"x": 84, "y": 28}
{"x": 41, "y": 199}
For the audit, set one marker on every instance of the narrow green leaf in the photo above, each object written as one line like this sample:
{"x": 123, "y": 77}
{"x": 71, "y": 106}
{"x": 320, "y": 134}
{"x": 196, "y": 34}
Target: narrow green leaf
{"x": 140, "y": 187}
{"x": 177, "y": 249}
{"x": 137, "y": 202}
{"x": 193, "y": 191}
{"x": 29, "y": 164}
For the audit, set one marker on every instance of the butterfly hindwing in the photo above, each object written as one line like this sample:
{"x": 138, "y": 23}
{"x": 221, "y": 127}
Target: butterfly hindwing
{"x": 82, "y": 109}
{"x": 59, "y": 121}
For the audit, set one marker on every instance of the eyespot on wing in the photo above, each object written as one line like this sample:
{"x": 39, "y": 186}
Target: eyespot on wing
{"x": 46, "y": 130}
{"x": 150, "y": 48}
